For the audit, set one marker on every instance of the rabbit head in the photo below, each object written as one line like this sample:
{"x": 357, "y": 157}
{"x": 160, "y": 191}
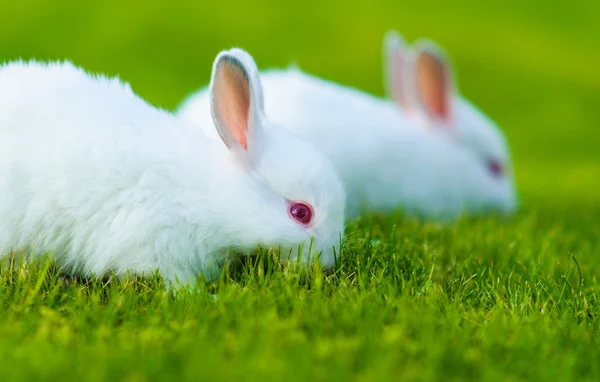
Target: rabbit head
{"x": 421, "y": 82}
{"x": 306, "y": 198}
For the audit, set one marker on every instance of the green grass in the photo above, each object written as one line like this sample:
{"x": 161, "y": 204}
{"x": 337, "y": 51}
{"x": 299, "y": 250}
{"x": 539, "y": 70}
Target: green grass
{"x": 484, "y": 299}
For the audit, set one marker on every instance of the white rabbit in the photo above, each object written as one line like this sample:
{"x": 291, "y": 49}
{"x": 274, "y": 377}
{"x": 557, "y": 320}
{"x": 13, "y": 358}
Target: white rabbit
{"x": 110, "y": 183}
{"x": 428, "y": 151}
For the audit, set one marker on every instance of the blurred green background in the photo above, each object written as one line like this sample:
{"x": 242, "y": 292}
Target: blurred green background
{"x": 532, "y": 66}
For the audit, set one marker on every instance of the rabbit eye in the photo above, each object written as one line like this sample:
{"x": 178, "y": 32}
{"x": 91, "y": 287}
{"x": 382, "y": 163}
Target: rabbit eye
{"x": 301, "y": 212}
{"x": 495, "y": 168}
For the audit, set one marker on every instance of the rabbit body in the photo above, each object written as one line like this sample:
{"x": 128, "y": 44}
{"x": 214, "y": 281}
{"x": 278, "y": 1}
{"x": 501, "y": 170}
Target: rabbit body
{"x": 109, "y": 183}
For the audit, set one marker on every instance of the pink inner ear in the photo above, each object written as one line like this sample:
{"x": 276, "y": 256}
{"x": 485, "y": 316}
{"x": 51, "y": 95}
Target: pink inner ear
{"x": 231, "y": 92}
{"x": 433, "y": 84}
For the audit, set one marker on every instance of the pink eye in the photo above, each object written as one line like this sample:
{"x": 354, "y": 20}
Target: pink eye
{"x": 495, "y": 168}
{"x": 301, "y": 212}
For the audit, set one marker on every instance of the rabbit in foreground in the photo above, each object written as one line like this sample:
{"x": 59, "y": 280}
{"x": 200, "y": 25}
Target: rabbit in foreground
{"x": 427, "y": 150}
{"x": 110, "y": 183}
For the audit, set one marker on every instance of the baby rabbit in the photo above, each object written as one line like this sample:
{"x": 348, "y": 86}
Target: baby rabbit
{"x": 427, "y": 151}
{"x": 110, "y": 183}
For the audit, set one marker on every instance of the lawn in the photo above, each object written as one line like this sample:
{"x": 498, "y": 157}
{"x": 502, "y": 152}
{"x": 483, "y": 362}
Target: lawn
{"x": 483, "y": 299}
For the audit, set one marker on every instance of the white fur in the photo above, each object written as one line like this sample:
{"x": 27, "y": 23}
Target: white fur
{"x": 110, "y": 183}
{"x": 384, "y": 155}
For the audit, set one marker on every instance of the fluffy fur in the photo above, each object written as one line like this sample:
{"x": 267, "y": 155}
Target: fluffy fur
{"x": 110, "y": 183}
{"x": 389, "y": 155}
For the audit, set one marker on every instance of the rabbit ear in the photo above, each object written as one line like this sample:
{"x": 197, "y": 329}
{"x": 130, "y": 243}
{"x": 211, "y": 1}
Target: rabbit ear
{"x": 397, "y": 60}
{"x": 434, "y": 83}
{"x": 236, "y": 100}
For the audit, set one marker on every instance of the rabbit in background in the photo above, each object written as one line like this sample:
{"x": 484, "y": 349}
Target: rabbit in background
{"x": 110, "y": 183}
{"x": 425, "y": 150}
